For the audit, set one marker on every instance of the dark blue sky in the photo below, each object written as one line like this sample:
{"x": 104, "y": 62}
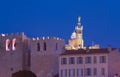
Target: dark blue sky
{"x": 100, "y": 19}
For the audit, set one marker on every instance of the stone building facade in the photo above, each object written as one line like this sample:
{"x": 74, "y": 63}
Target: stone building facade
{"x": 44, "y": 55}
{"x": 89, "y": 63}
{"x": 39, "y": 55}
{"x": 13, "y": 54}
{"x": 49, "y": 56}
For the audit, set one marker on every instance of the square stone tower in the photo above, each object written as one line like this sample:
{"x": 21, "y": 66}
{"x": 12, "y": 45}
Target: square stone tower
{"x": 44, "y": 55}
{"x": 13, "y": 54}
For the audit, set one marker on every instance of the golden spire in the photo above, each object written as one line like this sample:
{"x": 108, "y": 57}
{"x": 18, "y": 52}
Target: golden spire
{"x": 79, "y": 19}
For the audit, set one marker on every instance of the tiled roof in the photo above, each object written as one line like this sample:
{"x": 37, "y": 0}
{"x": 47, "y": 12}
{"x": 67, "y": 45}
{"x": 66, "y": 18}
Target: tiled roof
{"x": 82, "y": 51}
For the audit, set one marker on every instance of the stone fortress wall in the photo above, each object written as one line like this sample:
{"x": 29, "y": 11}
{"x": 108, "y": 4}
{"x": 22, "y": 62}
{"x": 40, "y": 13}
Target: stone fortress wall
{"x": 39, "y": 55}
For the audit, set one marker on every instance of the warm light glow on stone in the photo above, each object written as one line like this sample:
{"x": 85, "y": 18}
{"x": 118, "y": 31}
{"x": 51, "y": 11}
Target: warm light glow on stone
{"x": 33, "y": 38}
{"x": 37, "y": 38}
{"x": 3, "y": 35}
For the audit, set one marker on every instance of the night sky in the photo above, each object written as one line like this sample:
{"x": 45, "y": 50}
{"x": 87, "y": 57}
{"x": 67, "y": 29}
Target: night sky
{"x": 100, "y": 19}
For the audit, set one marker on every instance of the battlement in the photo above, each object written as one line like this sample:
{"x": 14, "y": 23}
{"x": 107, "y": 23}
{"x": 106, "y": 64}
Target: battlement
{"x": 47, "y": 38}
{"x": 11, "y": 34}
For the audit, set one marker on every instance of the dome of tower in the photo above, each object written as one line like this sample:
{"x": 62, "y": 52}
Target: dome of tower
{"x": 73, "y": 36}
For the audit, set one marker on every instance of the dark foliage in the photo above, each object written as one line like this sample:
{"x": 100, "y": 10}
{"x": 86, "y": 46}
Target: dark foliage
{"x": 24, "y": 73}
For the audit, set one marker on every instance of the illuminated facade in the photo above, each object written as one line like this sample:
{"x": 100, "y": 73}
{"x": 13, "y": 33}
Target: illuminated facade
{"x": 91, "y": 61}
{"x": 49, "y": 56}
{"x": 76, "y": 42}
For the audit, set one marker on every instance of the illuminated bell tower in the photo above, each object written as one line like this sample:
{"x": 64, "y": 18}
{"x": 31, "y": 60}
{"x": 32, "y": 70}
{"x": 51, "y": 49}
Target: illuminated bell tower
{"x": 76, "y": 41}
{"x": 79, "y": 34}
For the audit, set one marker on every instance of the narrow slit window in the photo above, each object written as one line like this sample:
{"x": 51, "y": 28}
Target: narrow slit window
{"x": 38, "y": 46}
{"x": 44, "y": 46}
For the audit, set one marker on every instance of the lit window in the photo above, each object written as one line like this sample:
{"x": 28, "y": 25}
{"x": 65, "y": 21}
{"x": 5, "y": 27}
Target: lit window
{"x": 63, "y": 61}
{"x": 102, "y": 59}
{"x": 71, "y": 72}
{"x": 88, "y": 59}
{"x": 79, "y": 72}
{"x": 14, "y": 44}
{"x": 71, "y": 60}
{"x": 63, "y": 72}
{"x": 7, "y": 45}
{"x": 79, "y": 60}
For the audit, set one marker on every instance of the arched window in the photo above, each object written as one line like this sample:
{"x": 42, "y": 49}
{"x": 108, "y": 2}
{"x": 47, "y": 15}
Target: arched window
{"x": 38, "y": 46}
{"x": 14, "y": 44}
{"x": 7, "y": 45}
{"x": 44, "y": 46}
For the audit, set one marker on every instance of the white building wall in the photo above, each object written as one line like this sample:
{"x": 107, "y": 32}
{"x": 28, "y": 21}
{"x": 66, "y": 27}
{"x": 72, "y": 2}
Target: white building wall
{"x": 76, "y": 66}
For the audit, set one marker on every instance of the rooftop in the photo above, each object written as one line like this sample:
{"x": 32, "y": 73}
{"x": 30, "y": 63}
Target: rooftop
{"x": 87, "y": 51}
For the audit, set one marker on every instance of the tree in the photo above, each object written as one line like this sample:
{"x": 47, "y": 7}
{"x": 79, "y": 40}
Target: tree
{"x": 24, "y": 73}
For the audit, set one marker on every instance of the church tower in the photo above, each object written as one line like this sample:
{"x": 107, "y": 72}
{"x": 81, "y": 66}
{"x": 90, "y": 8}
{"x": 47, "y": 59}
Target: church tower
{"x": 79, "y": 34}
{"x": 76, "y": 41}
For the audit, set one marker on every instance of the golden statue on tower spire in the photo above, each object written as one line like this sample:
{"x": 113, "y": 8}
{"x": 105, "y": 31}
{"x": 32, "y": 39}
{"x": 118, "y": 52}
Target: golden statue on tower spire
{"x": 79, "y": 19}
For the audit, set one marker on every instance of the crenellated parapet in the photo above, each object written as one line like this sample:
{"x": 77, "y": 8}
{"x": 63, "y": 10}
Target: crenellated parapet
{"x": 47, "y": 38}
{"x": 13, "y": 41}
{"x": 5, "y": 36}
{"x": 11, "y": 34}
{"x": 44, "y": 54}
{"x": 46, "y": 45}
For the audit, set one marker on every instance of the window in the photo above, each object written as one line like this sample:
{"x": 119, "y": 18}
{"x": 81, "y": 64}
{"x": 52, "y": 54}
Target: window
{"x": 44, "y": 46}
{"x": 79, "y": 72}
{"x": 63, "y": 61}
{"x": 14, "y": 44}
{"x": 102, "y": 71}
{"x": 102, "y": 59}
{"x": 71, "y": 60}
{"x": 88, "y": 71}
{"x": 71, "y": 72}
{"x": 79, "y": 60}
{"x": 88, "y": 59}
{"x": 95, "y": 60}
{"x": 95, "y": 71}
{"x": 64, "y": 73}
{"x": 38, "y": 46}
{"x": 7, "y": 45}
